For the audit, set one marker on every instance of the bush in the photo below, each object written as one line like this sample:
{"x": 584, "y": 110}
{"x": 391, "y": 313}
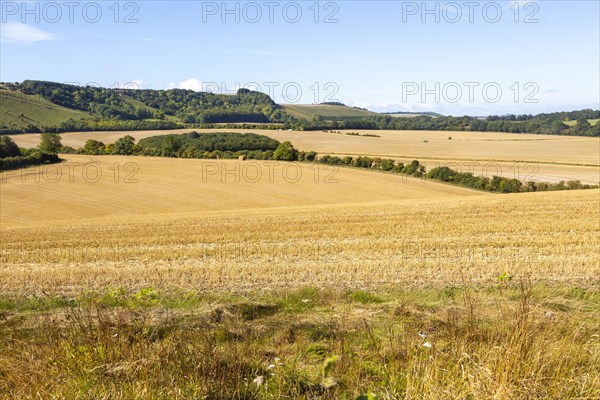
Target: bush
{"x": 285, "y": 152}
{"x": 50, "y": 143}
{"x": 35, "y": 157}
{"x": 8, "y": 148}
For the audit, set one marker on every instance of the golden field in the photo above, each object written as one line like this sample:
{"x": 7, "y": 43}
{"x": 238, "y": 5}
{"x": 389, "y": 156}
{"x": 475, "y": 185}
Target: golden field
{"x": 165, "y": 281}
{"x": 555, "y": 158}
{"x": 368, "y": 230}
{"x": 85, "y": 187}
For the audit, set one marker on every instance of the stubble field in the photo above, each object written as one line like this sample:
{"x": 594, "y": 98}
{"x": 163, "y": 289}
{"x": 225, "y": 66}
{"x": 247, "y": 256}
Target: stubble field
{"x": 189, "y": 284}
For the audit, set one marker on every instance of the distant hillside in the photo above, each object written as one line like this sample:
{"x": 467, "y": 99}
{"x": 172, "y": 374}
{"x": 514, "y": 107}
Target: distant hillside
{"x": 86, "y": 108}
{"x": 34, "y": 106}
{"x": 325, "y": 112}
{"x": 408, "y": 114}
{"x": 19, "y": 111}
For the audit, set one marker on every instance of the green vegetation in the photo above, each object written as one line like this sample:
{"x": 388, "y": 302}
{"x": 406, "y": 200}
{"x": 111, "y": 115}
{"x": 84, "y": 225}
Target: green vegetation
{"x": 571, "y": 123}
{"x": 189, "y": 144}
{"x": 124, "y": 146}
{"x": 285, "y": 152}
{"x": 13, "y": 157}
{"x": 97, "y": 124}
{"x": 496, "y": 184}
{"x": 500, "y": 184}
{"x": 218, "y": 145}
{"x": 456, "y": 342}
{"x": 209, "y": 145}
{"x": 35, "y": 106}
{"x": 538, "y": 124}
{"x": 325, "y": 112}
{"x": 50, "y": 143}
{"x": 21, "y": 112}
{"x": 127, "y": 109}
{"x": 409, "y": 114}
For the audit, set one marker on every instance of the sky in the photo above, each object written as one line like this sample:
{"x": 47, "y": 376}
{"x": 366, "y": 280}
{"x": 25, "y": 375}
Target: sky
{"x": 455, "y": 58}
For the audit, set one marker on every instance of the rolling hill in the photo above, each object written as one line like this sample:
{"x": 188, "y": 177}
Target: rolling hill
{"x": 325, "y": 111}
{"x": 34, "y": 106}
{"x": 79, "y": 188}
{"x": 19, "y": 111}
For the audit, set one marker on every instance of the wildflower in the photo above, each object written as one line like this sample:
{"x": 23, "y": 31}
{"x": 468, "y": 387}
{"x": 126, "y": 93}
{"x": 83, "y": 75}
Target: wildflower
{"x": 259, "y": 380}
{"x": 427, "y": 344}
{"x": 423, "y": 335}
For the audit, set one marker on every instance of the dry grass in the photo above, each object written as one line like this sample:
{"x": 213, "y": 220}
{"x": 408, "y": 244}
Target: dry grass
{"x": 503, "y": 341}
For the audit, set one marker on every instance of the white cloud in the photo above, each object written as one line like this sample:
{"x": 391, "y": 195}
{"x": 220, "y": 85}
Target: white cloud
{"x": 190, "y": 84}
{"x": 18, "y": 32}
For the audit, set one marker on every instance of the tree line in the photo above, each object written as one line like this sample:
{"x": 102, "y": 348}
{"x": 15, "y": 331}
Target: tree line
{"x": 14, "y": 157}
{"x": 115, "y": 109}
{"x": 551, "y": 124}
{"x": 220, "y": 145}
{"x": 129, "y": 109}
{"x": 497, "y": 184}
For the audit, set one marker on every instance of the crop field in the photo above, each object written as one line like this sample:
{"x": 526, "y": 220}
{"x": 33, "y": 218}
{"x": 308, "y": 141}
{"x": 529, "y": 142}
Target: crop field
{"x": 186, "y": 213}
{"x": 143, "y": 277}
{"x": 552, "y": 237}
{"x": 536, "y": 157}
{"x": 91, "y": 187}
{"x": 163, "y": 288}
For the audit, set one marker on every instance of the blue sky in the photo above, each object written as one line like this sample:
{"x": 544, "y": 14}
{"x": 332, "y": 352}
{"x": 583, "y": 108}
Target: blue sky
{"x": 475, "y": 58}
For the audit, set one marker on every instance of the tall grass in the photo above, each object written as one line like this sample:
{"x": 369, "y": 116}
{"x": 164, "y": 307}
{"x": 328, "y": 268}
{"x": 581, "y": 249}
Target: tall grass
{"x": 503, "y": 341}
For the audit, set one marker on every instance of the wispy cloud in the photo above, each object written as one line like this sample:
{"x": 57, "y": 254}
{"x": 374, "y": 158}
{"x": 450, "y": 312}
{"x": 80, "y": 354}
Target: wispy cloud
{"x": 20, "y": 33}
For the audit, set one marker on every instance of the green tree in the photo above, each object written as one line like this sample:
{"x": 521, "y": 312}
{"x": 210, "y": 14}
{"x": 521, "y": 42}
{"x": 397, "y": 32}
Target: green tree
{"x": 50, "y": 143}
{"x": 443, "y": 174}
{"x": 124, "y": 146}
{"x": 583, "y": 123}
{"x": 171, "y": 146}
{"x": 94, "y": 147}
{"x": 363, "y": 162}
{"x": 557, "y": 127}
{"x": 8, "y": 148}
{"x": 285, "y": 152}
